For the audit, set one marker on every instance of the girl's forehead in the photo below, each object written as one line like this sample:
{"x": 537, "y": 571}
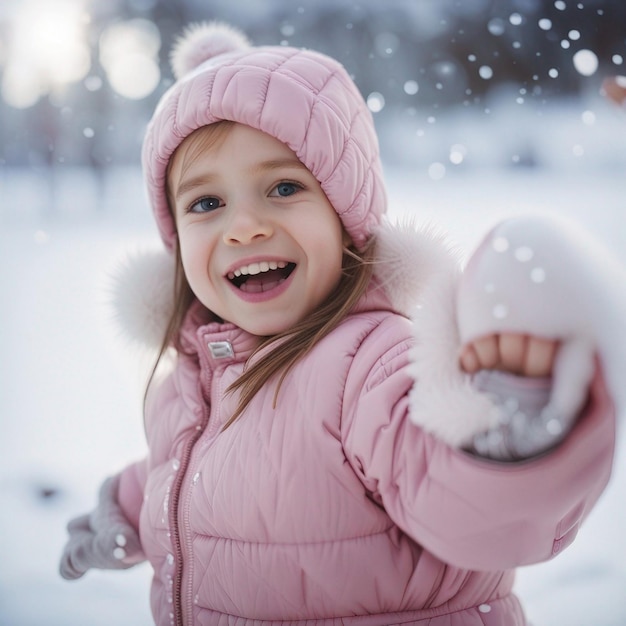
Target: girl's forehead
{"x": 203, "y": 139}
{"x": 244, "y": 143}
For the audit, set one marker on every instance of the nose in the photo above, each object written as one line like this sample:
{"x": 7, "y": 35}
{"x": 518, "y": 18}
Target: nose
{"x": 245, "y": 226}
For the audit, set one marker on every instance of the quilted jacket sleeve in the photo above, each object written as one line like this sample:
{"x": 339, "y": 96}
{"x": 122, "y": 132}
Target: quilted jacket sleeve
{"x": 469, "y": 512}
{"x": 158, "y": 420}
{"x": 130, "y": 494}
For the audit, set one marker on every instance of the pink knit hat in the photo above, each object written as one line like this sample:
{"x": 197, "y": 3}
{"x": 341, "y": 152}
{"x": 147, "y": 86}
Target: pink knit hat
{"x": 303, "y": 98}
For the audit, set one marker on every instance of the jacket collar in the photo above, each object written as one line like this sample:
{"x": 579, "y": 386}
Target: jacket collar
{"x": 216, "y": 343}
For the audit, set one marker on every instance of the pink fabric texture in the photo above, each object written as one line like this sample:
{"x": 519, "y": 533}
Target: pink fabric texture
{"x": 278, "y": 519}
{"x": 303, "y": 98}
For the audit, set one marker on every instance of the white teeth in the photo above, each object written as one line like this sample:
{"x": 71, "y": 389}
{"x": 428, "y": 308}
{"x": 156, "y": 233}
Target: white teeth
{"x": 257, "y": 268}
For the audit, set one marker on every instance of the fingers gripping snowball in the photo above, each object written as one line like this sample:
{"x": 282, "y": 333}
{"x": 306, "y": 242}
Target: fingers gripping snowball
{"x": 545, "y": 277}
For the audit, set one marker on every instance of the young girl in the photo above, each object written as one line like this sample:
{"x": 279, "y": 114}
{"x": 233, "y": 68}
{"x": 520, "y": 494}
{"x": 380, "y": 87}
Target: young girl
{"x": 350, "y": 430}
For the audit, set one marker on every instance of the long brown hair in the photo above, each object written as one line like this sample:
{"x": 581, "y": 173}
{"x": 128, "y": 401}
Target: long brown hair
{"x": 294, "y": 343}
{"x": 290, "y": 345}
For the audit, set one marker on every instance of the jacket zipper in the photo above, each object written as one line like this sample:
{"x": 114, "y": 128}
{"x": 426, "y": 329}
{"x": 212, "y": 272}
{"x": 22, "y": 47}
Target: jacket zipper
{"x": 178, "y": 596}
{"x": 177, "y": 582}
{"x": 174, "y": 527}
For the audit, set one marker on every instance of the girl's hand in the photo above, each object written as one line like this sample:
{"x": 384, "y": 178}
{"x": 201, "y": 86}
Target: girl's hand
{"x": 522, "y": 355}
{"x": 103, "y": 539}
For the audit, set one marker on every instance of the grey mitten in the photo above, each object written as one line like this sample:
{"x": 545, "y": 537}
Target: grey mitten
{"x": 103, "y": 539}
{"x": 527, "y": 425}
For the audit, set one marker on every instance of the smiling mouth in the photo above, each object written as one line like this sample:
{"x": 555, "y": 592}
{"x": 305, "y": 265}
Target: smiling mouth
{"x": 259, "y": 277}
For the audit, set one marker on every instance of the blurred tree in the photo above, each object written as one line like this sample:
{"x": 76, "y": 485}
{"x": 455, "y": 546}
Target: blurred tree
{"x": 426, "y": 56}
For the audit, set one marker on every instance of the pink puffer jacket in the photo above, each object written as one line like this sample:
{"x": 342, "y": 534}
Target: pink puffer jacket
{"x": 334, "y": 508}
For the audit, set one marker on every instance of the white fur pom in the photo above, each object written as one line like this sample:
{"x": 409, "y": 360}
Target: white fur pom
{"x": 420, "y": 268}
{"x": 202, "y": 41}
{"x": 408, "y": 256}
{"x": 443, "y": 401}
{"x": 142, "y": 295}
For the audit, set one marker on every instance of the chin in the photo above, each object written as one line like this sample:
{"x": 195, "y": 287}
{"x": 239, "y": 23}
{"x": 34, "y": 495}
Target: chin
{"x": 264, "y": 331}
{"x": 269, "y": 328}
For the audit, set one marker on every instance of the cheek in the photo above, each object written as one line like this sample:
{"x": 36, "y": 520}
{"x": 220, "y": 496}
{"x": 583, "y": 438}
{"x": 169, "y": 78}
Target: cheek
{"x": 329, "y": 253}
{"x": 195, "y": 259}
{"x": 186, "y": 256}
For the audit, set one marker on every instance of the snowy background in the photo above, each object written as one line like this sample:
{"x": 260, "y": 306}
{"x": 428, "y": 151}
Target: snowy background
{"x": 71, "y": 202}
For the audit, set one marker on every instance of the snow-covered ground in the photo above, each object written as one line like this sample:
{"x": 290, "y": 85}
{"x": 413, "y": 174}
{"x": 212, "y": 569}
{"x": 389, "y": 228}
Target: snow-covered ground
{"x": 71, "y": 396}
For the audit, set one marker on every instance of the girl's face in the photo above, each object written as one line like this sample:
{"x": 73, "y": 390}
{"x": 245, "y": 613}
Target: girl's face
{"x": 260, "y": 243}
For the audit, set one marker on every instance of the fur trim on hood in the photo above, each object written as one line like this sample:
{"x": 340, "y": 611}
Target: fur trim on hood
{"x": 420, "y": 270}
{"x": 141, "y": 296}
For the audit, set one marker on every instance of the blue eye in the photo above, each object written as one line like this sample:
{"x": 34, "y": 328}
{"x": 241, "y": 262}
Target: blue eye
{"x": 286, "y": 189}
{"x": 205, "y": 205}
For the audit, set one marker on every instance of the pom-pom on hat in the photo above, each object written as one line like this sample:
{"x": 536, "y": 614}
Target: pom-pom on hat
{"x": 303, "y": 98}
{"x": 200, "y": 42}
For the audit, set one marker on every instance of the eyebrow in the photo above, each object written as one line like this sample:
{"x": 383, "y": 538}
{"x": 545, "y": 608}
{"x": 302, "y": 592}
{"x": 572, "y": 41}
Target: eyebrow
{"x": 191, "y": 183}
{"x": 276, "y": 164}
{"x": 265, "y": 166}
